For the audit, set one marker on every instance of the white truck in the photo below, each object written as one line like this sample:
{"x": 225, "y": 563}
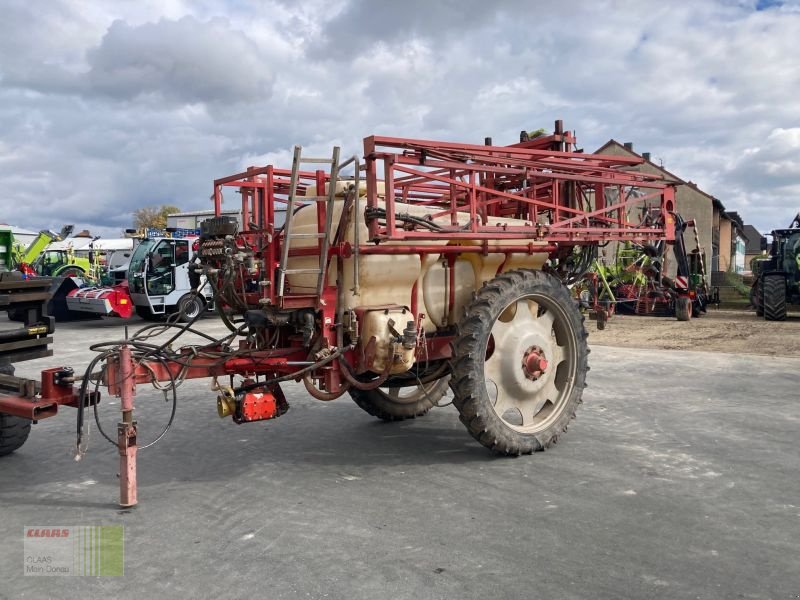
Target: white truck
{"x": 159, "y": 282}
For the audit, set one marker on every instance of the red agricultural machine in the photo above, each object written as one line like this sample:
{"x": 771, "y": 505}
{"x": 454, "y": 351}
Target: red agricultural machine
{"x": 426, "y": 264}
{"x": 662, "y": 279}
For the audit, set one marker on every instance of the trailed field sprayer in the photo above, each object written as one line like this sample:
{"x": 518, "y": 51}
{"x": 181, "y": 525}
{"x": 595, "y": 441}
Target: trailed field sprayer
{"x": 432, "y": 263}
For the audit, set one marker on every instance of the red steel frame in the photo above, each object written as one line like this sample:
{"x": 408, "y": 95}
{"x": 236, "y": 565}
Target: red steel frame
{"x": 560, "y": 196}
{"x": 552, "y": 191}
{"x": 549, "y": 190}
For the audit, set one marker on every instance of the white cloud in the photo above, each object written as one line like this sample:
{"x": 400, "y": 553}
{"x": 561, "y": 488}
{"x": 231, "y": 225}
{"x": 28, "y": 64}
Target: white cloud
{"x": 183, "y": 61}
{"x": 105, "y": 108}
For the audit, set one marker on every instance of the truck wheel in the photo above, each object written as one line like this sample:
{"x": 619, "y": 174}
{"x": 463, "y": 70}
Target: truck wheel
{"x": 519, "y": 362}
{"x": 774, "y": 299}
{"x": 13, "y": 430}
{"x": 189, "y": 307}
{"x": 683, "y": 309}
{"x": 397, "y": 404}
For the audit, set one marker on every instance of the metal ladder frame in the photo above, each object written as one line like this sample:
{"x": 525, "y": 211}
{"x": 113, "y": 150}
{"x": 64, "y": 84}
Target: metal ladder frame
{"x": 323, "y": 235}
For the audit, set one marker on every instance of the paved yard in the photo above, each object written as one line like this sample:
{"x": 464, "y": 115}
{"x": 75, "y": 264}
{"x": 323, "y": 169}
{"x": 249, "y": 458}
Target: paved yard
{"x": 678, "y": 480}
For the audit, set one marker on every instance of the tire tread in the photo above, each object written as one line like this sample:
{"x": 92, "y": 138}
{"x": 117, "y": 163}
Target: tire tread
{"x": 774, "y": 299}
{"x": 467, "y": 383}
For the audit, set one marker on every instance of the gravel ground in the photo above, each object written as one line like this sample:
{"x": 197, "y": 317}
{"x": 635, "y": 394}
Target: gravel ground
{"x": 728, "y": 331}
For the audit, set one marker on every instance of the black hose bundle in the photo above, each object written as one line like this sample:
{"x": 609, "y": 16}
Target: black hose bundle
{"x": 141, "y": 351}
{"x": 217, "y": 349}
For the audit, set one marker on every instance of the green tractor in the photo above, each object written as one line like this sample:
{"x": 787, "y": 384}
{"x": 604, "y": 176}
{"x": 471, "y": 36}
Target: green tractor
{"x": 15, "y": 255}
{"x": 778, "y": 278}
{"x": 24, "y": 256}
{"x": 65, "y": 258}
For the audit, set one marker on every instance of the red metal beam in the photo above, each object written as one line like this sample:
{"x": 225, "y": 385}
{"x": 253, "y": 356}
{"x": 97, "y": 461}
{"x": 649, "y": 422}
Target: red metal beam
{"x": 508, "y": 153}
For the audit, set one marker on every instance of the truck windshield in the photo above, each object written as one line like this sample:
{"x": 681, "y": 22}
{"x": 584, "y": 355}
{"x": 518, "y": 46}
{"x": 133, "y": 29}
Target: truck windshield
{"x": 138, "y": 258}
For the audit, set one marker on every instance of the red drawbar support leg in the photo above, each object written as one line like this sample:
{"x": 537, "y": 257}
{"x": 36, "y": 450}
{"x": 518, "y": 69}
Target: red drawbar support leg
{"x": 126, "y": 429}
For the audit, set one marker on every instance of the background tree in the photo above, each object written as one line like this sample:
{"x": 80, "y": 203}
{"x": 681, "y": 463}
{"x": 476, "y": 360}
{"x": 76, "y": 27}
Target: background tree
{"x": 153, "y": 216}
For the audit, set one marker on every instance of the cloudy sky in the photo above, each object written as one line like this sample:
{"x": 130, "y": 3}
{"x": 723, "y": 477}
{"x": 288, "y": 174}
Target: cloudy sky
{"x": 108, "y": 106}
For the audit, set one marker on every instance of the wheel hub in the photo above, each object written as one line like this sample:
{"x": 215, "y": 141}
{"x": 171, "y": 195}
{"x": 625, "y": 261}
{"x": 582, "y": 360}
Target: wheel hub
{"x": 534, "y": 363}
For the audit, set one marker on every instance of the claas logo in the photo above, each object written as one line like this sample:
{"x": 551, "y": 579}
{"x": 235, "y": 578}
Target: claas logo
{"x": 47, "y": 533}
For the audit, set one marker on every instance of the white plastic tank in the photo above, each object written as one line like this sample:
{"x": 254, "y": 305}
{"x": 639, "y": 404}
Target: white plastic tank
{"x": 390, "y": 279}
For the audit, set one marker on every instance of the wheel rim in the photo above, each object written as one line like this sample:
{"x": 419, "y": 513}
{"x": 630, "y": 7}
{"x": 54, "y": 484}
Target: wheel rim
{"x": 531, "y": 364}
{"x": 413, "y": 394}
{"x": 191, "y": 309}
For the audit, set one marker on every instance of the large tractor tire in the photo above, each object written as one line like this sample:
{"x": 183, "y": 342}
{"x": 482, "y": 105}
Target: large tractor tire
{"x": 190, "y": 307}
{"x": 400, "y": 403}
{"x": 774, "y": 297}
{"x": 70, "y": 271}
{"x": 519, "y": 362}
{"x": 14, "y": 430}
{"x": 683, "y": 309}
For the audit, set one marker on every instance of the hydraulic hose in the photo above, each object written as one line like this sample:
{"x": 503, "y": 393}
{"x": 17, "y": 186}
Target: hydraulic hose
{"x": 361, "y": 385}
{"x": 319, "y": 394}
{"x": 296, "y": 375}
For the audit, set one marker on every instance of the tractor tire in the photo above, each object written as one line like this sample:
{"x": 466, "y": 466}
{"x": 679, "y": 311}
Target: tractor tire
{"x": 756, "y": 300}
{"x": 190, "y": 307}
{"x": 398, "y": 404}
{"x": 14, "y": 430}
{"x": 70, "y": 271}
{"x": 683, "y": 309}
{"x": 774, "y": 298}
{"x": 519, "y": 362}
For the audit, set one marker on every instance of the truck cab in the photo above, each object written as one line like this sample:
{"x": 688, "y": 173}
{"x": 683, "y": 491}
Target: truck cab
{"x": 159, "y": 283}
